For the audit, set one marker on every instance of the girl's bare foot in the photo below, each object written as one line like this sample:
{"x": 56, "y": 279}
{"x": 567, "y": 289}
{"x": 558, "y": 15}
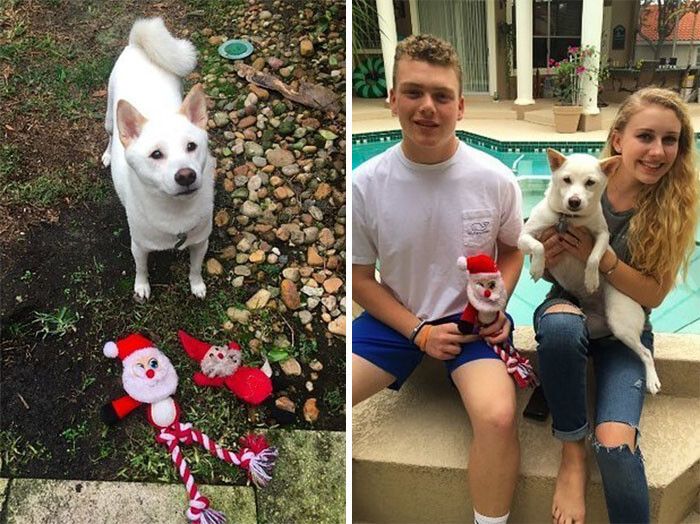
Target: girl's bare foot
{"x": 569, "y": 504}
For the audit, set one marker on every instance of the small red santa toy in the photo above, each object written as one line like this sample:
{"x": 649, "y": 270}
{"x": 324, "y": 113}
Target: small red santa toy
{"x": 149, "y": 378}
{"x": 221, "y": 366}
{"x": 487, "y": 296}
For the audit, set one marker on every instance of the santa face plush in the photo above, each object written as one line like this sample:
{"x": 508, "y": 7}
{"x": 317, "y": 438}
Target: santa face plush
{"x": 486, "y": 294}
{"x": 149, "y": 376}
{"x": 220, "y": 361}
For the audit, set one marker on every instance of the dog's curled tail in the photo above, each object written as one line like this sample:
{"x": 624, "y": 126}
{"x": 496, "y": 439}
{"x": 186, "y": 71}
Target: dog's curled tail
{"x": 162, "y": 48}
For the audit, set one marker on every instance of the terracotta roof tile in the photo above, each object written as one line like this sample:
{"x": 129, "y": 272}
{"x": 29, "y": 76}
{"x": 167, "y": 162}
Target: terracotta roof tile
{"x": 685, "y": 27}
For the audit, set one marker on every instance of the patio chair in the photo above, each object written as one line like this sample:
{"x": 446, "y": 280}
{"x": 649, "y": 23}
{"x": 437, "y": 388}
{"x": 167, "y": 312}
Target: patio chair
{"x": 644, "y": 76}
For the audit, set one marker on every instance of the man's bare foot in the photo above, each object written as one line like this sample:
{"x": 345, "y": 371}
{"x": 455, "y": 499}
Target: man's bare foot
{"x": 569, "y": 504}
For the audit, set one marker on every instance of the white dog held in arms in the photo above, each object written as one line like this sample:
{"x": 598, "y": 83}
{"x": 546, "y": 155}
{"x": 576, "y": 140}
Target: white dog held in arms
{"x": 161, "y": 166}
{"x": 573, "y": 197}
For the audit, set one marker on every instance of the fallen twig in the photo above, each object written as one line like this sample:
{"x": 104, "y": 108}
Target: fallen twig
{"x": 312, "y": 95}
{"x": 24, "y": 402}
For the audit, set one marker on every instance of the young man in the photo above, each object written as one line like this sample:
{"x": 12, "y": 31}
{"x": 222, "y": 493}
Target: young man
{"x": 417, "y": 208}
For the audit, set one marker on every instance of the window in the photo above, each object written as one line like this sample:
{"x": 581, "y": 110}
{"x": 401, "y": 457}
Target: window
{"x": 556, "y": 25}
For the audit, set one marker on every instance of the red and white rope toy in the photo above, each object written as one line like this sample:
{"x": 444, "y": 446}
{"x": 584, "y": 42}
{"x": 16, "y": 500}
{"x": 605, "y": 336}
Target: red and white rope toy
{"x": 149, "y": 378}
{"x": 516, "y": 365}
{"x": 255, "y": 457}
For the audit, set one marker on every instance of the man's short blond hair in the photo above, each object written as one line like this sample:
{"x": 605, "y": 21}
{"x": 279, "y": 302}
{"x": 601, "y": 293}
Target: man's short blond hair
{"x": 430, "y": 49}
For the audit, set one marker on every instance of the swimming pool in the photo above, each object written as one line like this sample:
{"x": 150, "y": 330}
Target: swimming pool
{"x": 679, "y": 313}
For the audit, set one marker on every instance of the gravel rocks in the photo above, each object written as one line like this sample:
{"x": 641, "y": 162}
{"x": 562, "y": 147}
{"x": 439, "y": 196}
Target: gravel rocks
{"x": 279, "y": 240}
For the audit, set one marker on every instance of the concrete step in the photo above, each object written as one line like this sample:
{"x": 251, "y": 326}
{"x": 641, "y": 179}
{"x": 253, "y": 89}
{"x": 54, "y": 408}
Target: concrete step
{"x": 692, "y": 518}
{"x": 677, "y": 359}
{"x": 411, "y": 449}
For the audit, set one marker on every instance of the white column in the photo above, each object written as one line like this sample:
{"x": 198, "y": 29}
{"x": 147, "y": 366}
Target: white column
{"x": 523, "y": 44}
{"x": 415, "y": 19}
{"x": 387, "y": 32}
{"x": 491, "y": 41}
{"x": 591, "y": 29}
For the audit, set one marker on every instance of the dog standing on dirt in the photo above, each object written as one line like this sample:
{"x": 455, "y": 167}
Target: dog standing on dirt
{"x": 573, "y": 197}
{"x": 161, "y": 166}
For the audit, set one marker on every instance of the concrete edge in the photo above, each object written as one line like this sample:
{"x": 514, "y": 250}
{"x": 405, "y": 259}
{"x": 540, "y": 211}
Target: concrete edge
{"x": 4, "y": 497}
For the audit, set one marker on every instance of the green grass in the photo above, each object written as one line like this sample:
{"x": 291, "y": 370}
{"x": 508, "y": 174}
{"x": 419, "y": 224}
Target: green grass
{"x": 16, "y": 452}
{"x": 9, "y": 160}
{"x": 58, "y": 323}
{"x": 73, "y": 435}
{"x": 334, "y": 401}
{"x": 48, "y": 190}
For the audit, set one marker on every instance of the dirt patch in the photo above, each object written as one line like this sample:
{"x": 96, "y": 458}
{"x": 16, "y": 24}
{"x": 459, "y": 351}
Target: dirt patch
{"x": 65, "y": 287}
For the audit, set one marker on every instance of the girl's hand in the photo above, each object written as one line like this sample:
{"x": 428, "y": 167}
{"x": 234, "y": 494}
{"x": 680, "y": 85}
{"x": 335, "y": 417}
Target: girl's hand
{"x": 553, "y": 249}
{"x": 578, "y": 242}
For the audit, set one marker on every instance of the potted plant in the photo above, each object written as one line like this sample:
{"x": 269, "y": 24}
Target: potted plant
{"x": 568, "y": 76}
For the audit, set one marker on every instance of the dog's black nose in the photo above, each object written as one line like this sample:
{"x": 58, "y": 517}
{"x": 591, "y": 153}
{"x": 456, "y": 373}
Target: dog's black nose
{"x": 185, "y": 176}
{"x": 574, "y": 203}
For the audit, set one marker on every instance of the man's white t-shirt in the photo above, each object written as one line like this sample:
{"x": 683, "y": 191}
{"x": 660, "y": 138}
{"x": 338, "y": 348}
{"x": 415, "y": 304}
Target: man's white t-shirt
{"x": 418, "y": 219}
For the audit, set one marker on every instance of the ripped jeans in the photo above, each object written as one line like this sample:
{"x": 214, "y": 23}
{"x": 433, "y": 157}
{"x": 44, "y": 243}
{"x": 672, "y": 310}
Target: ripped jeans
{"x": 563, "y": 351}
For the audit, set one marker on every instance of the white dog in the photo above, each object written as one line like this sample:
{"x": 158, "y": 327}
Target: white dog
{"x": 573, "y": 197}
{"x": 161, "y": 166}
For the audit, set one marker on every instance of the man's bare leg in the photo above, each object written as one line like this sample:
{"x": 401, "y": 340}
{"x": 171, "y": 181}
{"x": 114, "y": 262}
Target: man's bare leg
{"x": 488, "y": 394}
{"x": 367, "y": 379}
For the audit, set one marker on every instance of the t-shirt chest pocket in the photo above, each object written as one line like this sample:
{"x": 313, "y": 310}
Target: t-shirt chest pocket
{"x": 479, "y": 228}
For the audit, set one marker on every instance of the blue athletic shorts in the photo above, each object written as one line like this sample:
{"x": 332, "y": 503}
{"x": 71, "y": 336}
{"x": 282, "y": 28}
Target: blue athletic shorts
{"x": 391, "y": 351}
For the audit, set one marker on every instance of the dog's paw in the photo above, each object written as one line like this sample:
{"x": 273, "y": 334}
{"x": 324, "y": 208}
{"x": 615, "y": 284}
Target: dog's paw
{"x": 536, "y": 268}
{"x": 591, "y": 279}
{"x": 106, "y": 158}
{"x": 142, "y": 290}
{"x": 198, "y": 288}
{"x": 653, "y": 383}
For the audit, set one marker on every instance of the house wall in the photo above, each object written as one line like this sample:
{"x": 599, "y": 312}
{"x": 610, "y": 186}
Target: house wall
{"x": 645, "y": 52}
{"x": 622, "y": 13}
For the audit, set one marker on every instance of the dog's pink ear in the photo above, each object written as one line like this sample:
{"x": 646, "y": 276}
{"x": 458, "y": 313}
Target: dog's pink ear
{"x": 194, "y": 107}
{"x": 129, "y": 122}
{"x": 609, "y": 165}
{"x": 556, "y": 159}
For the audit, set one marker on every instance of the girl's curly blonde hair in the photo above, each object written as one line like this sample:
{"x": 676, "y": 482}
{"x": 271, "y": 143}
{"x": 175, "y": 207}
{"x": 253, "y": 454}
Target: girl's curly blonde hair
{"x": 662, "y": 231}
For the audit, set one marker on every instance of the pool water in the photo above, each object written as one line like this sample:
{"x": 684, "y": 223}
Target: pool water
{"x": 680, "y": 311}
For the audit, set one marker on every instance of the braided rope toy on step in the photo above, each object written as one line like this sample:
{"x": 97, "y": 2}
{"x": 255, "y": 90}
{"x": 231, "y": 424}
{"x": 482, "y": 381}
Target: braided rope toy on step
{"x": 256, "y": 457}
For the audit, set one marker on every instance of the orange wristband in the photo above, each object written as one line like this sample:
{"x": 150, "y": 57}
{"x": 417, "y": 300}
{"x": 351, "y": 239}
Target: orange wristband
{"x": 422, "y": 339}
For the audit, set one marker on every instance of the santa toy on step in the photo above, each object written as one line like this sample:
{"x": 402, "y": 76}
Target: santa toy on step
{"x": 487, "y": 296}
{"x": 149, "y": 378}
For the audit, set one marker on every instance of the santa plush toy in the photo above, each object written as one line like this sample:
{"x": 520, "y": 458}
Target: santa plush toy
{"x": 487, "y": 296}
{"x": 149, "y": 378}
{"x": 485, "y": 290}
{"x": 221, "y": 366}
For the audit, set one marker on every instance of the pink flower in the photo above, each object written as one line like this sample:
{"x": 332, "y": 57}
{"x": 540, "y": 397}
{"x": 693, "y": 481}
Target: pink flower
{"x": 551, "y": 61}
{"x": 580, "y": 70}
